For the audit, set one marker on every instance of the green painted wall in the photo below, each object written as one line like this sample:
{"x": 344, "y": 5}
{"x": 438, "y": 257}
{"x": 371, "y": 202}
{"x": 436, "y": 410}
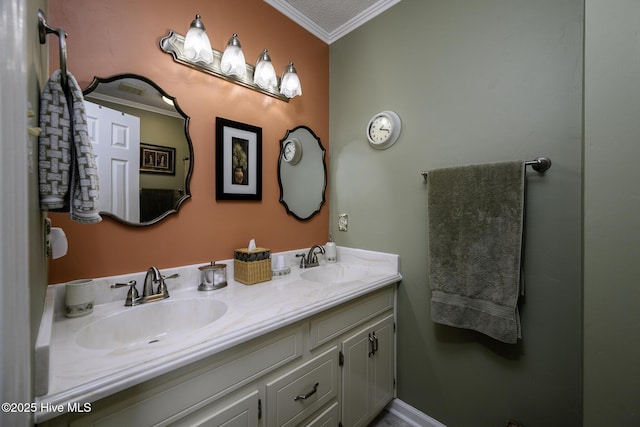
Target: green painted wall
{"x": 612, "y": 214}
{"x": 474, "y": 82}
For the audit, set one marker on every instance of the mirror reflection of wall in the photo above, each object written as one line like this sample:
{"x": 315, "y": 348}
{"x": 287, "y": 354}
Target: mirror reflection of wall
{"x": 162, "y": 175}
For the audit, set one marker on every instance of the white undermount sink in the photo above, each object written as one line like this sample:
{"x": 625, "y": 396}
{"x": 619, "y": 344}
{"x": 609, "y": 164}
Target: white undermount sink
{"x": 150, "y": 323}
{"x": 334, "y": 273}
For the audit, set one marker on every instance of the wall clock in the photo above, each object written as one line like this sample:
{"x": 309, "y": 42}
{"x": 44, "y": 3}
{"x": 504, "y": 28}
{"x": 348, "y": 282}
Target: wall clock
{"x": 292, "y": 151}
{"x": 383, "y": 129}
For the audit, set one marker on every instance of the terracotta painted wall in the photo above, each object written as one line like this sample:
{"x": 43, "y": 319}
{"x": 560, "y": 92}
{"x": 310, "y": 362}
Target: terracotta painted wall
{"x": 116, "y": 36}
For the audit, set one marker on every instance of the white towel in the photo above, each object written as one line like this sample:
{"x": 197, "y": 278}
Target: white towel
{"x": 68, "y": 173}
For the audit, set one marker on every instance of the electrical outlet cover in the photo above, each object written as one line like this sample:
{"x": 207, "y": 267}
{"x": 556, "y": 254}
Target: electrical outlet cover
{"x": 343, "y": 222}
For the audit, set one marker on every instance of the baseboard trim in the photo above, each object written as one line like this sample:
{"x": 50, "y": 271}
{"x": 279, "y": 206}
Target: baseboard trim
{"x": 411, "y": 415}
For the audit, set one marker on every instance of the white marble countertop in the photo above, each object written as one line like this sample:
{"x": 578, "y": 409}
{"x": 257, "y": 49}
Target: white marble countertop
{"x": 79, "y": 374}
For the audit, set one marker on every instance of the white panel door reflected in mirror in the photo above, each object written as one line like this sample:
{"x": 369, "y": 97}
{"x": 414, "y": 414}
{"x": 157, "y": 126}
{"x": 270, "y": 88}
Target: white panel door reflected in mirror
{"x": 145, "y": 167}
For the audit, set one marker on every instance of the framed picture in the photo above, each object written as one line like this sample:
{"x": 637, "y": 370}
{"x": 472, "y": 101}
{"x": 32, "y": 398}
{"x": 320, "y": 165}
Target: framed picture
{"x": 238, "y": 161}
{"x": 157, "y": 159}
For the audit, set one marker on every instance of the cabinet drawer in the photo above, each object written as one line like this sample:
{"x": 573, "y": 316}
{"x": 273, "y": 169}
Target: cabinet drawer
{"x": 299, "y": 393}
{"x": 329, "y": 325}
{"x": 242, "y": 412}
{"x": 170, "y": 399}
{"x": 328, "y": 417}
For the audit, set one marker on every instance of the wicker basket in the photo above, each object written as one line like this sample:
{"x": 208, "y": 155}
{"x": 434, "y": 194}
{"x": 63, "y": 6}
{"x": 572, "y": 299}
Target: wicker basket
{"x": 253, "y": 266}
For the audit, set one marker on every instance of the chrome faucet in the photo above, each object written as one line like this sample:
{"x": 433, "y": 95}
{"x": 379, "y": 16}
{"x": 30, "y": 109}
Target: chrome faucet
{"x": 311, "y": 259}
{"x": 152, "y": 277}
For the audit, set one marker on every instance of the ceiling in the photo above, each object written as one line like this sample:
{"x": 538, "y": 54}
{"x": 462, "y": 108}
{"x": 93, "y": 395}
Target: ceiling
{"x": 331, "y": 19}
{"x": 132, "y": 92}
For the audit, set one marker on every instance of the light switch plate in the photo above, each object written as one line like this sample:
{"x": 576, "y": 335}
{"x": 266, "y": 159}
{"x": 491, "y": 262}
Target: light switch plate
{"x": 343, "y": 222}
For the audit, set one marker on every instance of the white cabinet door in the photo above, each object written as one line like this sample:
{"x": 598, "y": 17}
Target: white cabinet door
{"x": 368, "y": 372}
{"x": 116, "y": 144}
{"x": 383, "y": 371}
{"x": 355, "y": 379}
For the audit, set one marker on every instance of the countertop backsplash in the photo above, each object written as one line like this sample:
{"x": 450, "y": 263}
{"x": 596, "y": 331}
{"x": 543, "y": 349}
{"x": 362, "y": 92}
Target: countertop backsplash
{"x": 190, "y": 275}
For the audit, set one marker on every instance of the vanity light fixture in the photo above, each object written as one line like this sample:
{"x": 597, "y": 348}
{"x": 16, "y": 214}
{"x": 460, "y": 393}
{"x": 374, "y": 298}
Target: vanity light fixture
{"x": 196, "y": 43}
{"x": 264, "y": 74}
{"x": 232, "y": 62}
{"x": 194, "y": 50}
{"x": 290, "y": 86}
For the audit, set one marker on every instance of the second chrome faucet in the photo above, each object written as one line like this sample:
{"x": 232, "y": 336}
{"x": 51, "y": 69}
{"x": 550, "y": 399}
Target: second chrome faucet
{"x": 311, "y": 259}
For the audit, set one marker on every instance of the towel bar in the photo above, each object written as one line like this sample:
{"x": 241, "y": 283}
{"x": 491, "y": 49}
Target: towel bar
{"x": 540, "y": 164}
{"x": 43, "y": 30}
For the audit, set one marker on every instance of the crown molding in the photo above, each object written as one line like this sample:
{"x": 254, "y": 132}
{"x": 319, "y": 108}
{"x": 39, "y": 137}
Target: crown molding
{"x": 323, "y": 34}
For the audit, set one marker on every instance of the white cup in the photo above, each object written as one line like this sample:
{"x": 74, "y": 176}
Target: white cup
{"x": 78, "y": 298}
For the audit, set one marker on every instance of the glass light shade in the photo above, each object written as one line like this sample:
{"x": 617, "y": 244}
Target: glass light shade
{"x": 290, "y": 86}
{"x": 196, "y": 43}
{"x": 232, "y": 62}
{"x": 264, "y": 74}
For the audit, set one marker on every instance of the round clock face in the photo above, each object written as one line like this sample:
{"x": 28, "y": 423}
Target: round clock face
{"x": 383, "y": 129}
{"x": 380, "y": 129}
{"x": 292, "y": 151}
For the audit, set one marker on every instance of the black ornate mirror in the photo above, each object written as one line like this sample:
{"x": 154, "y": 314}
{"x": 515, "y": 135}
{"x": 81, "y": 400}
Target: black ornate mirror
{"x": 302, "y": 173}
{"x": 142, "y": 146}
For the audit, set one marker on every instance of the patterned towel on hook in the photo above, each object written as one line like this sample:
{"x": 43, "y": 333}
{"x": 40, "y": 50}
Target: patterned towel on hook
{"x": 68, "y": 175}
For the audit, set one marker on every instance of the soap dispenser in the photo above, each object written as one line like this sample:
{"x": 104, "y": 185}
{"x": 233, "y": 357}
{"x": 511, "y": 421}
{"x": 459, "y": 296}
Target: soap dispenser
{"x": 330, "y": 251}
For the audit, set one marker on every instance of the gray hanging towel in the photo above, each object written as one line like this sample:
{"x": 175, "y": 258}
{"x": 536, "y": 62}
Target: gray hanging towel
{"x": 68, "y": 175}
{"x": 476, "y": 216}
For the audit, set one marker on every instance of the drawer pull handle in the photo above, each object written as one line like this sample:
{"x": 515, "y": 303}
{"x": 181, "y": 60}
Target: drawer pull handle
{"x": 375, "y": 343}
{"x": 308, "y": 395}
{"x": 371, "y": 346}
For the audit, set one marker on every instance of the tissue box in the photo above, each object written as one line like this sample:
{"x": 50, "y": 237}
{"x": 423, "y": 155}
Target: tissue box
{"x": 252, "y": 266}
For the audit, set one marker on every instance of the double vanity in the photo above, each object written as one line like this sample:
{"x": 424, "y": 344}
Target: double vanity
{"x": 314, "y": 347}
